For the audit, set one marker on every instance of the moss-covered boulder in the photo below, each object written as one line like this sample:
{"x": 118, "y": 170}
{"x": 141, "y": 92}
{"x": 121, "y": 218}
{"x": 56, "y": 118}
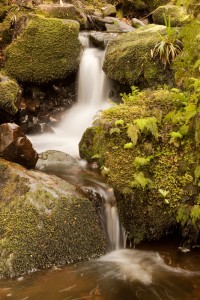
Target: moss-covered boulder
{"x": 128, "y": 58}
{"x": 148, "y": 150}
{"x": 9, "y": 92}
{"x": 177, "y": 14}
{"x": 44, "y": 221}
{"x": 47, "y": 49}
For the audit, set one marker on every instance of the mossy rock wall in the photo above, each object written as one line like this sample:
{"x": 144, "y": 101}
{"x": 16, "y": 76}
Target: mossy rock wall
{"x": 46, "y": 50}
{"x": 44, "y": 221}
{"x": 148, "y": 150}
{"x": 128, "y": 58}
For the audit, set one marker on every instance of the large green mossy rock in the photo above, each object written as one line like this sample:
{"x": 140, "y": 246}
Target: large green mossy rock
{"x": 177, "y": 14}
{"x": 46, "y": 50}
{"x": 44, "y": 221}
{"x": 9, "y": 90}
{"x": 128, "y": 58}
{"x": 148, "y": 151}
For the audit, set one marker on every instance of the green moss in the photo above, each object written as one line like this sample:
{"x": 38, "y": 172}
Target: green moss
{"x": 156, "y": 175}
{"x": 9, "y": 90}
{"x": 46, "y": 50}
{"x": 43, "y": 224}
{"x": 128, "y": 58}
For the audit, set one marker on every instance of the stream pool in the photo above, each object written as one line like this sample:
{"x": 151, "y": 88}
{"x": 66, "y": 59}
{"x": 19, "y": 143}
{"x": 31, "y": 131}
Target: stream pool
{"x": 153, "y": 272}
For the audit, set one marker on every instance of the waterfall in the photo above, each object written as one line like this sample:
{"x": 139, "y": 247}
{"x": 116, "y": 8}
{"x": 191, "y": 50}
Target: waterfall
{"x": 93, "y": 90}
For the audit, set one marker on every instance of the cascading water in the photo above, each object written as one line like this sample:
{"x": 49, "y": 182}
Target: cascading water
{"x": 93, "y": 90}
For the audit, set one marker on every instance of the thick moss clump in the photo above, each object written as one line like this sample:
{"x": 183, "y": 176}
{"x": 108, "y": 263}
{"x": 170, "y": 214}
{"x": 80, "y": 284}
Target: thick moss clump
{"x": 128, "y": 58}
{"x": 147, "y": 151}
{"x": 9, "y": 90}
{"x": 46, "y": 50}
{"x": 44, "y": 221}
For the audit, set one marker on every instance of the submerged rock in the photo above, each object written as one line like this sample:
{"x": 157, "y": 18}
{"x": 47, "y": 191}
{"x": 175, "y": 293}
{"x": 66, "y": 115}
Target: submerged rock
{"x": 47, "y": 49}
{"x": 16, "y": 147}
{"x": 44, "y": 222}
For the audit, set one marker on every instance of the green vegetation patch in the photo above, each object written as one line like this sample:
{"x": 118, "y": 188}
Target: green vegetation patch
{"x": 148, "y": 153}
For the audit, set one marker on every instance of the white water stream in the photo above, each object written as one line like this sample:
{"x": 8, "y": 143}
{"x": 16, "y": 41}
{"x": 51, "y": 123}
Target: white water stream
{"x": 93, "y": 90}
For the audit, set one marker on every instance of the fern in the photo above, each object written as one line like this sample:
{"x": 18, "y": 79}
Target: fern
{"x": 195, "y": 213}
{"x": 128, "y": 146}
{"x": 141, "y": 161}
{"x": 163, "y": 192}
{"x": 119, "y": 122}
{"x": 140, "y": 181}
{"x": 131, "y": 97}
{"x": 197, "y": 173}
{"x": 132, "y": 132}
{"x": 183, "y": 214}
{"x": 114, "y": 130}
{"x": 148, "y": 124}
{"x": 175, "y": 138}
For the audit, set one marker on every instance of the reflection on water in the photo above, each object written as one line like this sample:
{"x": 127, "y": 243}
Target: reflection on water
{"x": 122, "y": 274}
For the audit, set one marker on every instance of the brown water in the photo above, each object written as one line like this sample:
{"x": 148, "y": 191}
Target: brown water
{"x": 163, "y": 273}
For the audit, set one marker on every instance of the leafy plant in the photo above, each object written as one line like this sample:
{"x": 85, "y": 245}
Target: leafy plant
{"x": 169, "y": 47}
{"x": 128, "y": 146}
{"x": 119, "y": 122}
{"x": 148, "y": 124}
{"x": 114, "y": 130}
{"x": 163, "y": 192}
{"x": 195, "y": 213}
{"x": 183, "y": 214}
{"x": 140, "y": 181}
{"x": 132, "y": 132}
{"x": 141, "y": 161}
{"x": 175, "y": 138}
{"x": 130, "y": 97}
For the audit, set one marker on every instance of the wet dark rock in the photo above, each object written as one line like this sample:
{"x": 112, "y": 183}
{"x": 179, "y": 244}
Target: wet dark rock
{"x": 101, "y": 39}
{"x": 15, "y": 146}
{"x": 57, "y": 162}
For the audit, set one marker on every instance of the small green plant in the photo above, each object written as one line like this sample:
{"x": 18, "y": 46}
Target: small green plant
{"x": 128, "y": 146}
{"x": 114, "y": 130}
{"x": 130, "y": 98}
{"x": 195, "y": 213}
{"x": 140, "y": 181}
{"x": 148, "y": 124}
{"x": 183, "y": 214}
{"x": 119, "y": 122}
{"x": 169, "y": 47}
{"x": 141, "y": 161}
{"x": 197, "y": 174}
{"x": 132, "y": 132}
{"x": 163, "y": 192}
{"x": 176, "y": 136}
